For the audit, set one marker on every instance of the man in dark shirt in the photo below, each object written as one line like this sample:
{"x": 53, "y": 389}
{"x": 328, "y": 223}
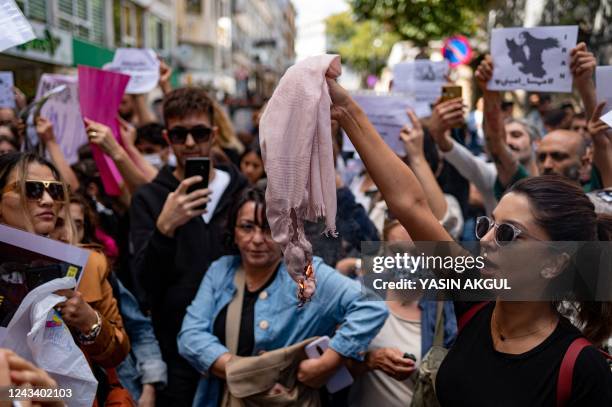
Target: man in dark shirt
{"x": 173, "y": 241}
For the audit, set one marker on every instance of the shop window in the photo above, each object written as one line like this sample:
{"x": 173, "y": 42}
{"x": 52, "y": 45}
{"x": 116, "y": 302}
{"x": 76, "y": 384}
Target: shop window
{"x": 128, "y": 19}
{"x": 85, "y": 19}
{"x": 34, "y": 9}
{"x": 194, "y": 6}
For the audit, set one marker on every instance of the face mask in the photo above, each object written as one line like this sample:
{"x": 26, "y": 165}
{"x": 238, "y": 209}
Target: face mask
{"x": 154, "y": 159}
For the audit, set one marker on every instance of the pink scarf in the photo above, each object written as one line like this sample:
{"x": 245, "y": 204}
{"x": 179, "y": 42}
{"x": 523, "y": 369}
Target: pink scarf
{"x": 296, "y": 146}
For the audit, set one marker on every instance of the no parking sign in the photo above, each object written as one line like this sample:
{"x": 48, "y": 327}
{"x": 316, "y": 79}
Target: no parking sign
{"x": 457, "y": 50}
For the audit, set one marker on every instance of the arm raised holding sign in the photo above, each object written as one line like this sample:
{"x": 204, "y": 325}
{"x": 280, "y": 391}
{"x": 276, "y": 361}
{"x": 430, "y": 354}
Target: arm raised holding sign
{"x": 495, "y": 134}
{"x": 413, "y": 142}
{"x": 601, "y": 134}
{"x": 44, "y": 130}
{"x": 582, "y": 66}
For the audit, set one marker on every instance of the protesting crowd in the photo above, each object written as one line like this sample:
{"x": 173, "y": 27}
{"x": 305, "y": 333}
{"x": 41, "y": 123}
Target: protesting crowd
{"x": 213, "y": 287}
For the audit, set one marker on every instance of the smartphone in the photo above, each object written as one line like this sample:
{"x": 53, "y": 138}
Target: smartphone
{"x": 201, "y": 167}
{"x": 606, "y": 196}
{"x": 451, "y": 92}
{"x": 410, "y": 356}
{"x": 342, "y": 378}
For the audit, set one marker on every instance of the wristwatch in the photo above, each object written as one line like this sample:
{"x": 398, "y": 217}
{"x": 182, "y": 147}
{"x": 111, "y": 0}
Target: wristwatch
{"x": 90, "y": 337}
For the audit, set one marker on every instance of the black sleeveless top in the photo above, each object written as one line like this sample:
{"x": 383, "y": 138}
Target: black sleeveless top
{"x": 474, "y": 374}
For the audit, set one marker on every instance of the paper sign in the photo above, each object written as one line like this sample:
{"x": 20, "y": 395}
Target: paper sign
{"x": 423, "y": 79}
{"x": 387, "y": 112}
{"x": 100, "y": 94}
{"x": 141, "y": 65}
{"x": 7, "y": 96}
{"x": 64, "y": 112}
{"x": 534, "y": 59}
{"x": 607, "y": 118}
{"x": 28, "y": 261}
{"x": 603, "y": 80}
{"x": 15, "y": 27}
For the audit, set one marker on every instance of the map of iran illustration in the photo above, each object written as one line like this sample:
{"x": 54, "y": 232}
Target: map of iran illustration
{"x": 535, "y": 59}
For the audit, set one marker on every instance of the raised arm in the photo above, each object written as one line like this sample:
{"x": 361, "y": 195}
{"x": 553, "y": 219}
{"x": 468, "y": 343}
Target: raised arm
{"x": 44, "y": 129}
{"x": 103, "y": 137}
{"x": 395, "y": 180}
{"x": 495, "y": 133}
{"x": 128, "y": 137}
{"x": 413, "y": 142}
{"x": 144, "y": 114}
{"x": 165, "y": 72}
{"x": 602, "y": 143}
{"x": 582, "y": 66}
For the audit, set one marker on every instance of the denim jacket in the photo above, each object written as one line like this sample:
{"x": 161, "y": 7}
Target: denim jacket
{"x": 278, "y": 320}
{"x": 144, "y": 364}
{"x": 428, "y": 324}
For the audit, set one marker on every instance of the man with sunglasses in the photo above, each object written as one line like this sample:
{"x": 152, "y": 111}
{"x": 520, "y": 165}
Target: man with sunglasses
{"x": 173, "y": 241}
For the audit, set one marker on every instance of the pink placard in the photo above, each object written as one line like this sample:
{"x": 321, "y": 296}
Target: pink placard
{"x": 100, "y": 94}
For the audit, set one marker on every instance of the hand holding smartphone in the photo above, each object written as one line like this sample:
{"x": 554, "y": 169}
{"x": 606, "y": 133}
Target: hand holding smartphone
{"x": 451, "y": 92}
{"x": 342, "y": 377}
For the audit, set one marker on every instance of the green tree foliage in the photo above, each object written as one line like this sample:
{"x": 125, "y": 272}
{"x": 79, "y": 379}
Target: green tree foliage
{"x": 363, "y": 45}
{"x": 423, "y": 20}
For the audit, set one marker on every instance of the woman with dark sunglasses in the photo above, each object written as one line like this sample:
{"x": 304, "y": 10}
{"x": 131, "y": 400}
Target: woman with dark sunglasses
{"x": 509, "y": 353}
{"x": 32, "y": 197}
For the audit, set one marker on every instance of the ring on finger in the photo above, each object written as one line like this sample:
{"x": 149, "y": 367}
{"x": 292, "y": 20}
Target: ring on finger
{"x": 92, "y": 133}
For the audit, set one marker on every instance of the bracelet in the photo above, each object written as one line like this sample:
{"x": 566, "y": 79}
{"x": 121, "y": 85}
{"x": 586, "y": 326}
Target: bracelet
{"x": 90, "y": 337}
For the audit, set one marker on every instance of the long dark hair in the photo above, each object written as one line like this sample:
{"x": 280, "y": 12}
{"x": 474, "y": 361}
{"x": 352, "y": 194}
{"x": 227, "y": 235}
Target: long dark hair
{"x": 90, "y": 218}
{"x": 563, "y": 210}
{"x": 249, "y": 194}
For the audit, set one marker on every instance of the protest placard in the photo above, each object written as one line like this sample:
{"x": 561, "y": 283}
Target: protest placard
{"x": 28, "y": 261}
{"x": 141, "y": 65}
{"x": 7, "y": 96}
{"x": 534, "y": 59}
{"x": 603, "y": 80}
{"x": 387, "y": 112}
{"x": 100, "y": 94}
{"x": 64, "y": 112}
{"x": 607, "y": 118}
{"x": 15, "y": 27}
{"x": 422, "y": 79}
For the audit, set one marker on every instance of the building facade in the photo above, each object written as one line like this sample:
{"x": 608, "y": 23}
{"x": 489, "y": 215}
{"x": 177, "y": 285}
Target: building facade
{"x": 237, "y": 47}
{"x": 86, "y": 32}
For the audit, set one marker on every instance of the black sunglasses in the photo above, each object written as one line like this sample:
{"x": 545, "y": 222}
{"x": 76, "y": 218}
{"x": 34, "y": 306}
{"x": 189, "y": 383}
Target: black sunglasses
{"x": 505, "y": 233}
{"x": 34, "y": 189}
{"x": 200, "y": 134}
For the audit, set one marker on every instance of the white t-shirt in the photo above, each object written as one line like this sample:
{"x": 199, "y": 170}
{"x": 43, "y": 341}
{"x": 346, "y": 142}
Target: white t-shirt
{"x": 217, "y": 188}
{"x": 376, "y": 388}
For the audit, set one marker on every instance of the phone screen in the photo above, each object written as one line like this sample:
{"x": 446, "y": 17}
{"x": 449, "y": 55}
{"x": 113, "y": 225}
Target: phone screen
{"x": 451, "y": 92}
{"x": 201, "y": 167}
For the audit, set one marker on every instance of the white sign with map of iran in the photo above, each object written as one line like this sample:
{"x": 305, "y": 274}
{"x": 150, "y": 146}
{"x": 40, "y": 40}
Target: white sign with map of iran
{"x": 534, "y": 59}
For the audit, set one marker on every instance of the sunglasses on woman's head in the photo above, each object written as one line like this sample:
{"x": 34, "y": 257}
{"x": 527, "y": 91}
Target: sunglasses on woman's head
{"x": 505, "y": 233}
{"x": 35, "y": 189}
{"x": 200, "y": 134}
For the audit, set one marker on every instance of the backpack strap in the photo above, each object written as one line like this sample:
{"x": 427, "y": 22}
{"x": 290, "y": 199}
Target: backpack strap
{"x": 439, "y": 329}
{"x": 566, "y": 371}
{"x": 469, "y": 314}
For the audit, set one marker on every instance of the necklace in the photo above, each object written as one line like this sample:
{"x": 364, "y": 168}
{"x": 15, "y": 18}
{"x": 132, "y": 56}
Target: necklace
{"x": 506, "y": 338}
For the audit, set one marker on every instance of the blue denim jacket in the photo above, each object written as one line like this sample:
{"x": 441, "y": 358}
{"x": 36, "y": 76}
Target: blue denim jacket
{"x": 278, "y": 320}
{"x": 428, "y": 324}
{"x": 144, "y": 363}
